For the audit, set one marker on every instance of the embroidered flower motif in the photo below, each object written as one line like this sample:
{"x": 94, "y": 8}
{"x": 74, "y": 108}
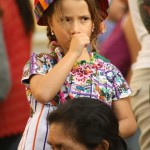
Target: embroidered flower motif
{"x": 82, "y": 72}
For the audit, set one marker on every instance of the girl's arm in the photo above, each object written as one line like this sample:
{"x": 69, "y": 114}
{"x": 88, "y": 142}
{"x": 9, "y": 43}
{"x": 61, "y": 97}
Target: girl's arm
{"x": 45, "y": 87}
{"x": 127, "y": 122}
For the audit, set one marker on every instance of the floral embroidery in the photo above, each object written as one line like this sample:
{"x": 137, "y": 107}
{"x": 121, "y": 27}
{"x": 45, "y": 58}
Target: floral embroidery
{"x": 96, "y": 79}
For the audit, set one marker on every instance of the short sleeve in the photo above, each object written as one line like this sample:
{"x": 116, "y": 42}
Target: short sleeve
{"x": 120, "y": 85}
{"x": 38, "y": 64}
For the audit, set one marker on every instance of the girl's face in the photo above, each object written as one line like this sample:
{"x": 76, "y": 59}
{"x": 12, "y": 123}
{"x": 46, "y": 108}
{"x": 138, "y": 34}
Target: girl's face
{"x": 74, "y": 18}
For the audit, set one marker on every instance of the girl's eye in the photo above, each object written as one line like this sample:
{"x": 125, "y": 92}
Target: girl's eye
{"x": 84, "y": 19}
{"x": 65, "y": 19}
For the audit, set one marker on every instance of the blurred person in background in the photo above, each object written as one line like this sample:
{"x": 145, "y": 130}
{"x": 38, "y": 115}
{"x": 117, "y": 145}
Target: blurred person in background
{"x": 117, "y": 10}
{"x": 5, "y": 81}
{"x": 140, "y": 78}
{"x": 17, "y": 26}
{"x": 112, "y": 44}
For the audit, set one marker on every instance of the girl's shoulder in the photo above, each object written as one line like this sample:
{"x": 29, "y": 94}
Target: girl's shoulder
{"x": 39, "y": 63}
{"x": 105, "y": 64}
{"x": 102, "y": 61}
{"x": 44, "y": 56}
{"x": 43, "y": 59}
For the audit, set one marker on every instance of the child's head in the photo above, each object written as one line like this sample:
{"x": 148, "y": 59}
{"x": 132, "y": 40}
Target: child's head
{"x": 49, "y": 11}
{"x": 86, "y": 122}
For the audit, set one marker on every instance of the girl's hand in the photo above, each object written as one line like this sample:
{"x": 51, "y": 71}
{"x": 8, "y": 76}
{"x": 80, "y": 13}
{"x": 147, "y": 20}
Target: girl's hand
{"x": 78, "y": 42}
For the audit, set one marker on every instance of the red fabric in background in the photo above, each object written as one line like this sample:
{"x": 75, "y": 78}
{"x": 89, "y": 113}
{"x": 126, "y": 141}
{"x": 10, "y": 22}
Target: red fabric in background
{"x": 14, "y": 111}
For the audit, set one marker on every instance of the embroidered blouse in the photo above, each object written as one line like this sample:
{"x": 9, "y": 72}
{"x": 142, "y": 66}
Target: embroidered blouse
{"x": 97, "y": 78}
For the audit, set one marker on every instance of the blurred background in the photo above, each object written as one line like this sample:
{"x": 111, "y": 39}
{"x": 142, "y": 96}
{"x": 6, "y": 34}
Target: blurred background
{"x": 40, "y": 40}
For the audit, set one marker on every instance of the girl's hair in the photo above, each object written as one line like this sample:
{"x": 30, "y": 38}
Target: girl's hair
{"x": 88, "y": 121}
{"x": 26, "y": 14}
{"x": 96, "y": 14}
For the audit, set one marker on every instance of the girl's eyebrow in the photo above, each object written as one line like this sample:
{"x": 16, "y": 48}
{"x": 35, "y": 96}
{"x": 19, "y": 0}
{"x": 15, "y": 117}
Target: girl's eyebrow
{"x": 66, "y": 16}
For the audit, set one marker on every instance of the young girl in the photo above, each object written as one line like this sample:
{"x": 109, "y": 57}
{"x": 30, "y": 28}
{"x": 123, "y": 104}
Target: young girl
{"x": 72, "y": 68}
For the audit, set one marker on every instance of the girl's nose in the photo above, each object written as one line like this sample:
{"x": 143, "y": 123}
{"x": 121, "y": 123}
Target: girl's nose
{"x": 75, "y": 28}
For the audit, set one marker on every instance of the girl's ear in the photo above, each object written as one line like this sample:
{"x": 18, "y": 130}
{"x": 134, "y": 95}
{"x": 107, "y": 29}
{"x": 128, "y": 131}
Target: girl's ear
{"x": 104, "y": 145}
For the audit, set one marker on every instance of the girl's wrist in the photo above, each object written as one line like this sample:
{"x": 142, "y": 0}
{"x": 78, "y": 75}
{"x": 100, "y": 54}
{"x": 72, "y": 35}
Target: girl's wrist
{"x": 73, "y": 55}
